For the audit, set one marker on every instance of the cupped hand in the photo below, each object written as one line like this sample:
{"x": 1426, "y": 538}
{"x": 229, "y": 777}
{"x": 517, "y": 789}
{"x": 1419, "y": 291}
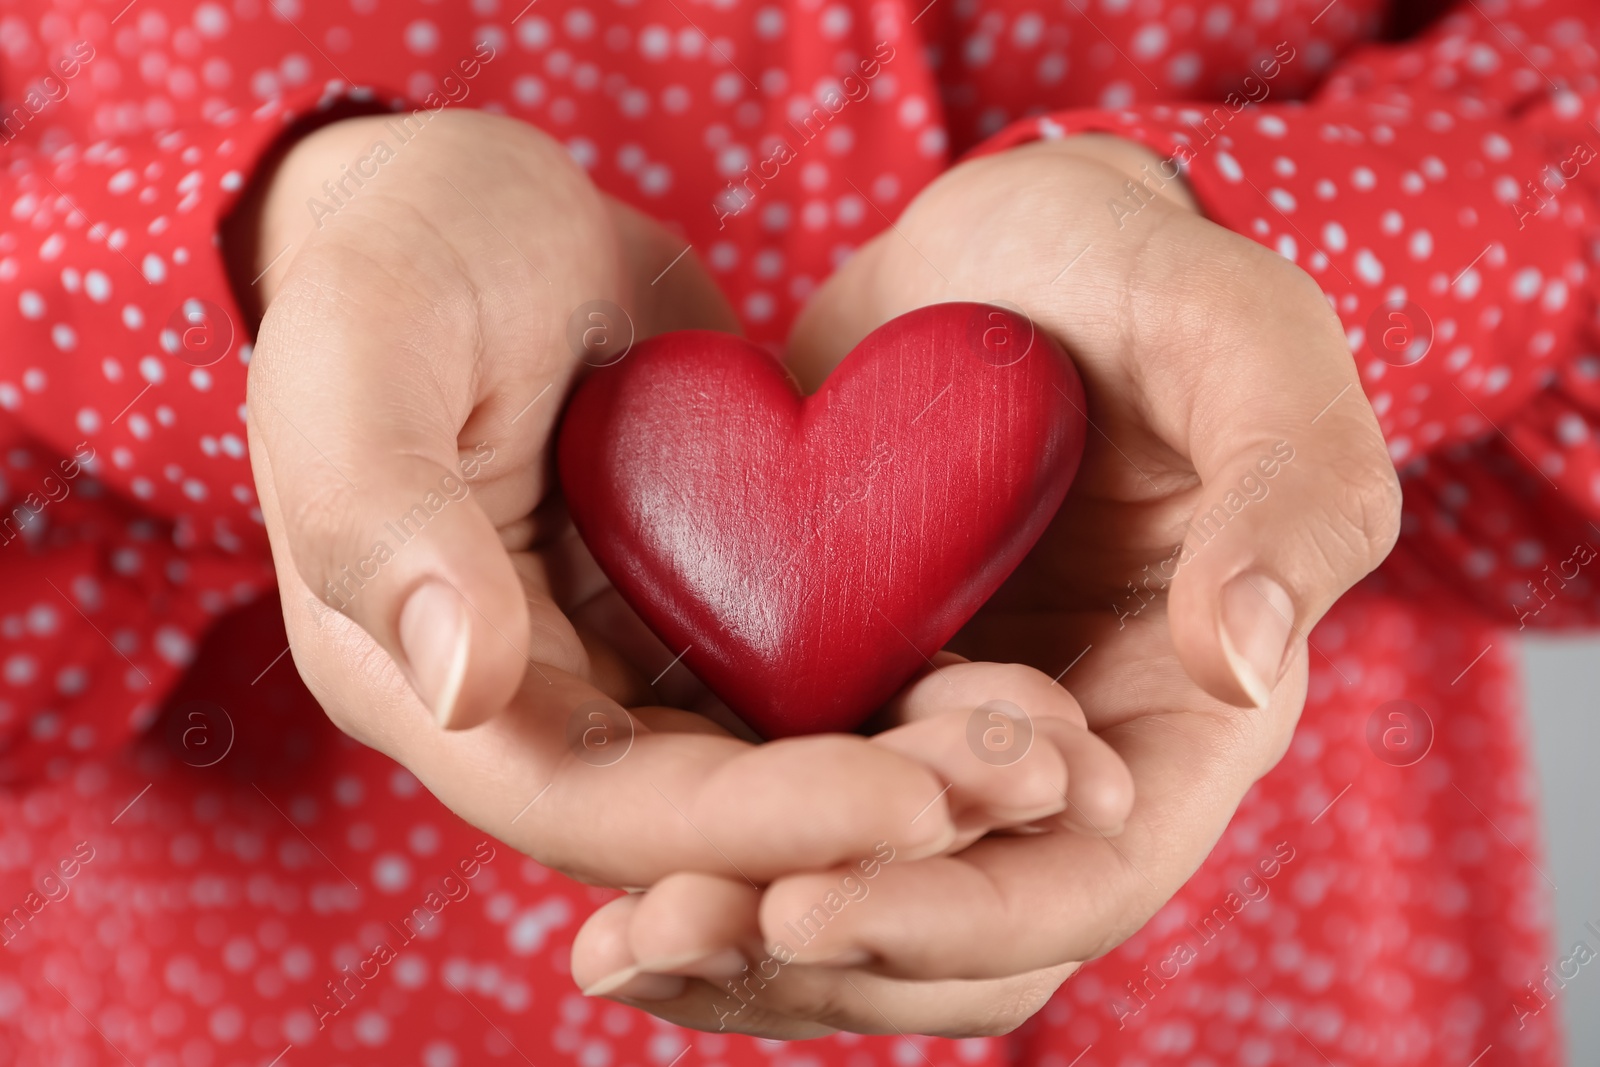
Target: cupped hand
{"x": 421, "y": 329}
{"x": 1235, "y": 484}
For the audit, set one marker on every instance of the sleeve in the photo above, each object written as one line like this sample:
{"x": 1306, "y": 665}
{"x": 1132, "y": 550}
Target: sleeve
{"x": 128, "y": 519}
{"x": 1442, "y": 191}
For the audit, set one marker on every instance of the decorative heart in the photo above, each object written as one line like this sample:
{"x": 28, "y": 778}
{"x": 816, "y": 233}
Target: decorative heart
{"x": 808, "y": 554}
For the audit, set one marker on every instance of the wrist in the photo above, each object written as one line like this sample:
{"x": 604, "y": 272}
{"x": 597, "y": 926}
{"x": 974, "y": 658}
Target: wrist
{"x": 370, "y": 166}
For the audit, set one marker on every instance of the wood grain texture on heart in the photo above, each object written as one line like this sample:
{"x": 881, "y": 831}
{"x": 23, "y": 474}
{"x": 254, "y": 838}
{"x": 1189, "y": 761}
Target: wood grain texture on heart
{"x": 812, "y": 553}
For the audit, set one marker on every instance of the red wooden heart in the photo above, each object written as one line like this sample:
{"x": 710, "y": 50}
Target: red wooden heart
{"x": 810, "y": 553}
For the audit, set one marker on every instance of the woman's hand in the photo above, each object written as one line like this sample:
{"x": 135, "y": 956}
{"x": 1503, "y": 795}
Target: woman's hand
{"x": 1235, "y": 484}
{"x": 417, "y": 345}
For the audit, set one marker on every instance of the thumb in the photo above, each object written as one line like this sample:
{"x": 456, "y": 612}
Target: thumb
{"x": 356, "y": 455}
{"x": 1298, "y": 501}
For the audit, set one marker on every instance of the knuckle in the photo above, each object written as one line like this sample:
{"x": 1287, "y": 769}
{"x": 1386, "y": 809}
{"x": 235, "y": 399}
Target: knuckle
{"x": 322, "y": 528}
{"x": 344, "y": 718}
{"x": 356, "y": 659}
{"x": 341, "y": 713}
{"x": 1365, "y": 506}
{"x": 1304, "y": 289}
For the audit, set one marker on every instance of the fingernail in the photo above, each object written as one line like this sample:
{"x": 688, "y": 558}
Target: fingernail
{"x": 721, "y": 963}
{"x": 1257, "y": 618}
{"x": 634, "y": 983}
{"x": 1090, "y": 830}
{"x": 1027, "y": 815}
{"x": 935, "y": 847}
{"x": 850, "y": 957}
{"x": 436, "y": 635}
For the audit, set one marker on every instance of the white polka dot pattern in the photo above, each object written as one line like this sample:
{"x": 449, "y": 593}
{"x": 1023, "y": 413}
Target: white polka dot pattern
{"x": 1405, "y": 910}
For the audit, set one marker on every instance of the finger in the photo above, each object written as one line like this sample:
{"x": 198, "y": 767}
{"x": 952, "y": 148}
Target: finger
{"x": 675, "y": 291}
{"x": 1100, "y": 793}
{"x": 695, "y": 926}
{"x": 1012, "y": 746}
{"x": 719, "y": 805}
{"x": 1008, "y": 905}
{"x": 577, "y": 584}
{"x": 661, "y": 669}
{"x": 603, "y": 964}
{"x": 601, "y": 945}
{"x": 445, "y": 603}
{"x": 1298, "y": 498}
{"x": 1098, "y": 789}
{"x": 799, "y": 1002}
{"x": 687, "y": 925}
{"x": 374, "y": 510}
{"x": 698, "y": 925}
{"x": 571, "y": 779}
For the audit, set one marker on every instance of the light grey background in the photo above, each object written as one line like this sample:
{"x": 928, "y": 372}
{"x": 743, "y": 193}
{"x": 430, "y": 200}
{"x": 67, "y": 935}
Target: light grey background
{"x": 1564, "y": 700}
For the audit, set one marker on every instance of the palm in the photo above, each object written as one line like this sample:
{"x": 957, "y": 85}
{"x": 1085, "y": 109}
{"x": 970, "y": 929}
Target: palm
{"x": 1100, "y": 564}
